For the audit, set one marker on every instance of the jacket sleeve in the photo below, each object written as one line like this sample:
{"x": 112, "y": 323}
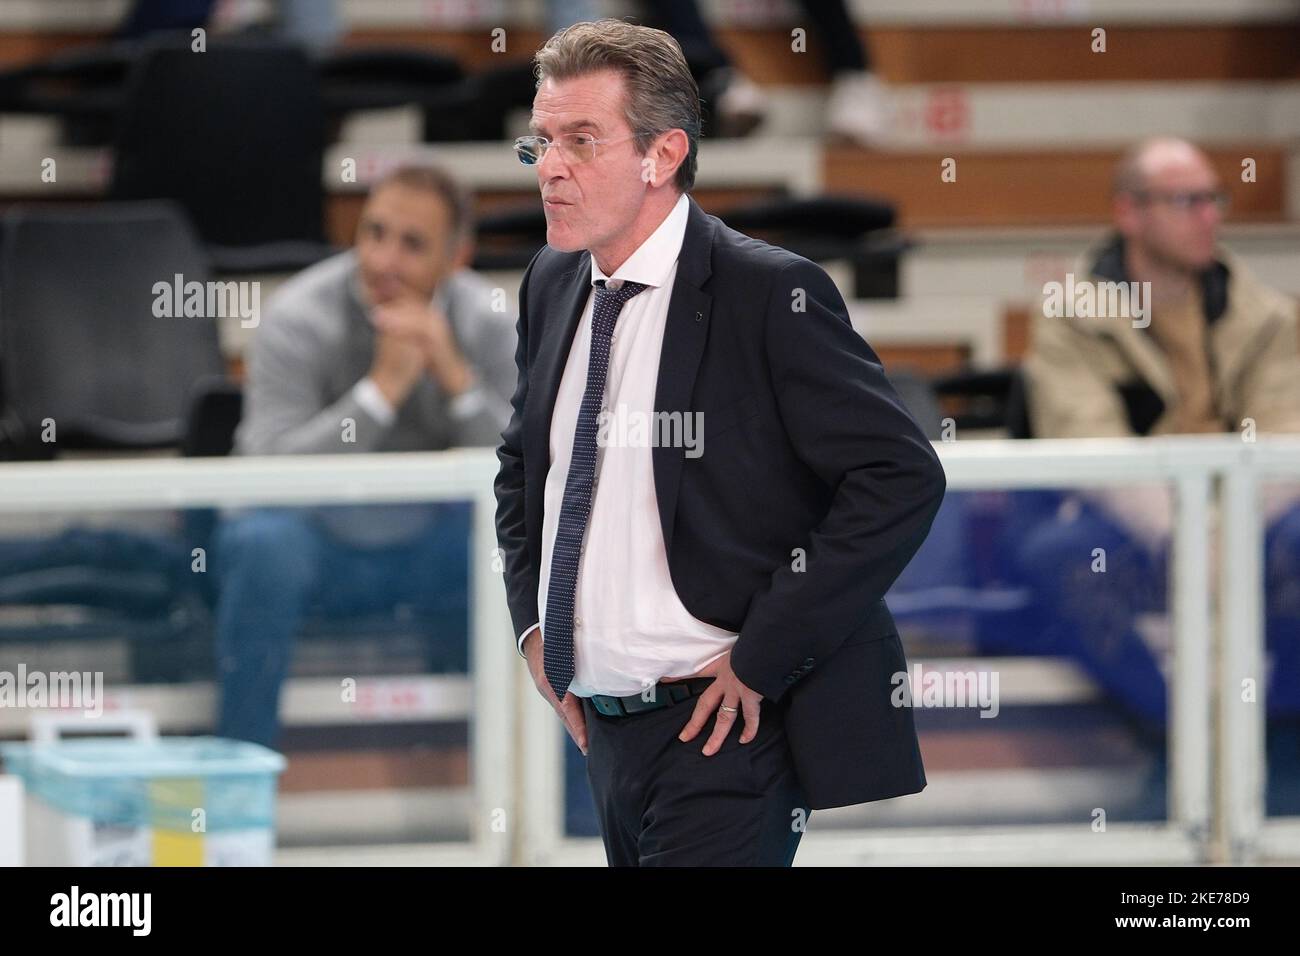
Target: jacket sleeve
{"x": 489, "y": 347}
{"x": 521, "y": 578}
{"x": 1271, "y": 394}
{"x": 846, "y": 423}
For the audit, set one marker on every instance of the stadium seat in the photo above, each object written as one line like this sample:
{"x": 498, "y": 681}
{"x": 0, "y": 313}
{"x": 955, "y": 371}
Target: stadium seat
{"x": 246, "y": 166}
{"x": 82, "y": 86}
{"x": 80, "y": 343}
{"x": 831, "y": 227}
{"x": 995, "y": 399}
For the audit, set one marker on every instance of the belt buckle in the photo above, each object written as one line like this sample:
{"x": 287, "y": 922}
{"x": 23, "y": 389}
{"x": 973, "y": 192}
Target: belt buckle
{"x": 609, "y": 706}
{"x": 672, "y": 693}
{"x": 656, "y": 701}
{"x": 666, "y": 695}
{"x": 633, "y": 704}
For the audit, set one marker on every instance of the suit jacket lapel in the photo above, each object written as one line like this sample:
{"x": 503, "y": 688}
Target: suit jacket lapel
{"x": 553, "y": 353}
{"x": 686, "y": 331}
{"x": 573, "y": 289}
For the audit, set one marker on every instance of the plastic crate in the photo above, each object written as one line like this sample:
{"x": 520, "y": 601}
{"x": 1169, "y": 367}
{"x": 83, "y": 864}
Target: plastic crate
{"x": 170, "y": 801}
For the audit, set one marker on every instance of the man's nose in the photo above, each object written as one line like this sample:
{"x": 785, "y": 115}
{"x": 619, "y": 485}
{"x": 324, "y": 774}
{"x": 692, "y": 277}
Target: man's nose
{"x": 384, "y": 258}
{"x": 551, "y": 164}
{"x": 1211, "y": 217}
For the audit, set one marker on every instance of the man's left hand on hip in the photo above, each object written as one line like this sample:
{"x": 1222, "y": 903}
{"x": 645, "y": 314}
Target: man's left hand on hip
{"x": 725, "y": 691}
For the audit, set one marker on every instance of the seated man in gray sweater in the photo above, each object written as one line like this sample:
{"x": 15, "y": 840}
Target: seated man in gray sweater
{"x": 391, "y": 346}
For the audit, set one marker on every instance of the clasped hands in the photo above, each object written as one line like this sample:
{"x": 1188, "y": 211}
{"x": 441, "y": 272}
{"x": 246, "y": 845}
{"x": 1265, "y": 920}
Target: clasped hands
{"x": 413, "y": 337}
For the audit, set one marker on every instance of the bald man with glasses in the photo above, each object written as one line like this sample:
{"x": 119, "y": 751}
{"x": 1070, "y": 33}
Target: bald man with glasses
{"x": 1215, "y": 353}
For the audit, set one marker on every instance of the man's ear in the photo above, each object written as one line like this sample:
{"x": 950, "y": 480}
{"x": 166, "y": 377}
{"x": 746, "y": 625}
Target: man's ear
{"x": 673, "y": 151}
{"x": 1125, "y": 214}
{"x": 663, "y": 158}
{"x": 459, "y": 255}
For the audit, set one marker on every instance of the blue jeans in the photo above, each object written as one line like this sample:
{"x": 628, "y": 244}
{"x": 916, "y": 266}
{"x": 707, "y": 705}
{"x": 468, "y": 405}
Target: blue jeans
{"x": 1090, "y": 616}
{"x": 277, "y": 565}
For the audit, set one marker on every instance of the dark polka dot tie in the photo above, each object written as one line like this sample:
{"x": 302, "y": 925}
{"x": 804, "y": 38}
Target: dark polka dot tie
{"x": 557, "y": 629}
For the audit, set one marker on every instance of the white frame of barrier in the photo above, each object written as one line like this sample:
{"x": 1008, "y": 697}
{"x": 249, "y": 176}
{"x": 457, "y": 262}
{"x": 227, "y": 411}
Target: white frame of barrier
{"x": 1250, "y": 835}
{"x": 1189, "y": 465}
{"x": 517, "y": 758}
{"x": 162, "y": 483}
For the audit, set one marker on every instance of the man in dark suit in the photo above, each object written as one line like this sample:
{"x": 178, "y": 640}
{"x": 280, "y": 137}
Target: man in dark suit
{"x": 707, "y": 486}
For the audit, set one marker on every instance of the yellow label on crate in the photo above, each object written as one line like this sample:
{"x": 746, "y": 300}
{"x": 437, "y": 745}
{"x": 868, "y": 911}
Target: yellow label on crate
{"x": 177, "y": 849}
{"x": 173, "y": 802}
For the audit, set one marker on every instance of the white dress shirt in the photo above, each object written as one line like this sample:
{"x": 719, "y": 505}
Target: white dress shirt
{"x": 630, "y": 629}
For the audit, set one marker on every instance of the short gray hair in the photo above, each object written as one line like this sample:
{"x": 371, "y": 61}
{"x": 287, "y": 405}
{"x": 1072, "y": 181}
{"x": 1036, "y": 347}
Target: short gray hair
{"x": 661, "y": 92}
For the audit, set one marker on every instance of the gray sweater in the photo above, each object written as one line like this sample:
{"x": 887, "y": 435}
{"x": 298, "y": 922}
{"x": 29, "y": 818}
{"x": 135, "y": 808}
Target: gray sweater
{"x": 315, "y": 343}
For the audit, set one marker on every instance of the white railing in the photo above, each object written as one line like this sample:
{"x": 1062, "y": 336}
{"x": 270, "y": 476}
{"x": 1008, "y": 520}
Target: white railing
{"x": 1241, "y": 758}
{"x": 1200, "y": 470}
{"x": 516, "y": 752}
{"x": 146, "y": 484}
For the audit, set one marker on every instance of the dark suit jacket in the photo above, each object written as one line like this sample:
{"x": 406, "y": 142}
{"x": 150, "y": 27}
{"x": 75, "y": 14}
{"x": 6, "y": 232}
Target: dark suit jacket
{"x": 805, "y": 446}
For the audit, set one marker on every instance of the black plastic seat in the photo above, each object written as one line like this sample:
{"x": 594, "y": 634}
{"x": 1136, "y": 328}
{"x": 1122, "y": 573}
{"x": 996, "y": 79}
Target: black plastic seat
{"x": 236, "y": 136}
{"x": 79, "y": 341}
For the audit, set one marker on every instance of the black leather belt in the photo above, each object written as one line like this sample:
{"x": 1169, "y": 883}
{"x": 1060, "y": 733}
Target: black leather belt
{"x": 665, "y": 695}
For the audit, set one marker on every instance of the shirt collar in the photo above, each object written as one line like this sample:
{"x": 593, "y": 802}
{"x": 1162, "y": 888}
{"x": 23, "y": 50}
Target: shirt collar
{"x": 652, "y": 261}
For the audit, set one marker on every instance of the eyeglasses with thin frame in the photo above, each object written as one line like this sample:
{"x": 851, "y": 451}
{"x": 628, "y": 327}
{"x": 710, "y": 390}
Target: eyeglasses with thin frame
{"x": 1188, "y": 200}
{"x": 574, "y": 147}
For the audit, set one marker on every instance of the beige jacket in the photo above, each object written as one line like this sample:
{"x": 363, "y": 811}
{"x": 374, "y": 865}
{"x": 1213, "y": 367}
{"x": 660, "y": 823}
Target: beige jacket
{"x": 1078, "y": 369}
{"x": 1079, "y": 372}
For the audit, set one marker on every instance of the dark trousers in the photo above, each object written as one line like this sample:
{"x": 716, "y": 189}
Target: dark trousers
{"x": 661, "y": 802}
{"x": 276, "y": 565}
